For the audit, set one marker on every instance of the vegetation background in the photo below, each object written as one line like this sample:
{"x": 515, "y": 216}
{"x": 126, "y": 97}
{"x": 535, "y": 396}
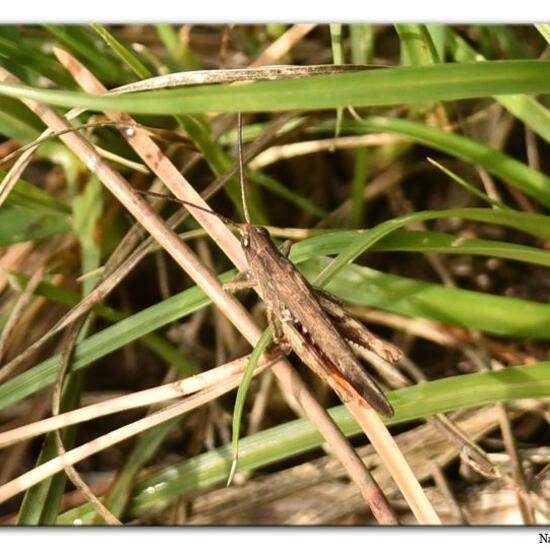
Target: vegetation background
{"x": 439, "y": 149}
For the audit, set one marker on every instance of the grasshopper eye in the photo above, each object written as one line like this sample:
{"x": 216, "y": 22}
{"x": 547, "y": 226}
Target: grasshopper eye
{"x": 246, "y": 240}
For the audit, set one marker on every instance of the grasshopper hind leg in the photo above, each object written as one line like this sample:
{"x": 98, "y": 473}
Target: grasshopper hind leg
{"x": 355, "y": 331}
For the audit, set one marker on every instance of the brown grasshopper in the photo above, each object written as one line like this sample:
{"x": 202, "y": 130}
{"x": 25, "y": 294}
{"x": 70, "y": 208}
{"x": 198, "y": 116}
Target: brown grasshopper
{"x": 313, "y": 323}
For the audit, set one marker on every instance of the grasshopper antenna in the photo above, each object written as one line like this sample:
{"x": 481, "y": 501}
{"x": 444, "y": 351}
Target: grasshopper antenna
{"x": 228, "y": 221}
{"x": 241, "y": 167}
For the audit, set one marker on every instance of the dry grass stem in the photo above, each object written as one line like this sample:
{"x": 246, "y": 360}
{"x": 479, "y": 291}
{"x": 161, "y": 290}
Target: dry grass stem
{"x": 151, "y": 396}
{"x": 15, "y": 316}
{"x": 387, "y": 448}
{"x": 52, "y": 467}
{"x": 291, "y": 150}
{"x": 283, "y": 44}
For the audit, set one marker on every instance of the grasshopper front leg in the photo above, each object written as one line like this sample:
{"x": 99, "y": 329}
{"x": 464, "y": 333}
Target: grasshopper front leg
{"x": 242, "y": 281}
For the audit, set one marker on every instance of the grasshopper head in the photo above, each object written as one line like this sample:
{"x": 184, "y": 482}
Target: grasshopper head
{"x": 254, "y": 238}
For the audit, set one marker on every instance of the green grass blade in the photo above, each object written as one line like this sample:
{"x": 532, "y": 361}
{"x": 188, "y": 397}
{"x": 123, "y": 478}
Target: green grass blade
{"x": 417, "y": 48}
{"x": 27, "y": 195}
{"x": 359, "y": 247}
{"x": 260, "y": 347}
{"x": 148, "y": 443}
{"x": 277, "y": 188}
{"x": 124, "y": 53}
{"x": 170, "y": 39}
{"x": 17, "y": 122}
{"x": 468, "y": 186}
{"x": 80, "y": 40}
{"x": 362, "y": 43}
{"x": 26, "y": 60}
{"x": 421, "y": 241}
{"x": 440, "y": 82}
{"x": 19, "y": 224}
{"x": 530, "y": 181}
{"x": 412, "y": 298}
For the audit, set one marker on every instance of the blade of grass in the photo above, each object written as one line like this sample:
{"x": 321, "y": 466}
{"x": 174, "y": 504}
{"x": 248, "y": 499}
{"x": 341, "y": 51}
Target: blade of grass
{"x": 27, "y": 195}
{"x": 362, "y": 43}
{"x": 417, "y": 48}
{"x": 170, "y": 40}
{"x": 441, "y": 82}
{"x": 421, "y": 241}
{"x": 240, "y": 400}
{"x": 19, "y": 224}
{"x": 413, "y": 298}
{"x": 291, "y": 196}
{"x": 80, "y": 40}
{"x": 147, "y": 445}
{"x": 532, "y": 182}
{"x": 468, "y": 186}
{"x": 124, "y": 53}
{"x": 362, "y": 48}
{"x": 32, "y": 61}
{"x": 17, "y": 122}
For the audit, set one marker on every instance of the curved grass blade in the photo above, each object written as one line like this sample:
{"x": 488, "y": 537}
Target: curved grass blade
{"x": 468, "y": 186}
{"x": 530, "y": 181}
{"x": 440, "y": 82}
{"x": 412, "y": 298}
{"x": 126, "y": 55}
{"x": 385, "y": 228}
{"x": 240, "y": 400}
{"x": 417, "y": 47}
{"x": 422, "y": 241}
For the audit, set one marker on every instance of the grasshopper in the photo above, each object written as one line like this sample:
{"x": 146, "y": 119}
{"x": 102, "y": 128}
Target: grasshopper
{"x": 309, "y": 321}
{"x": 313, "y": 323}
